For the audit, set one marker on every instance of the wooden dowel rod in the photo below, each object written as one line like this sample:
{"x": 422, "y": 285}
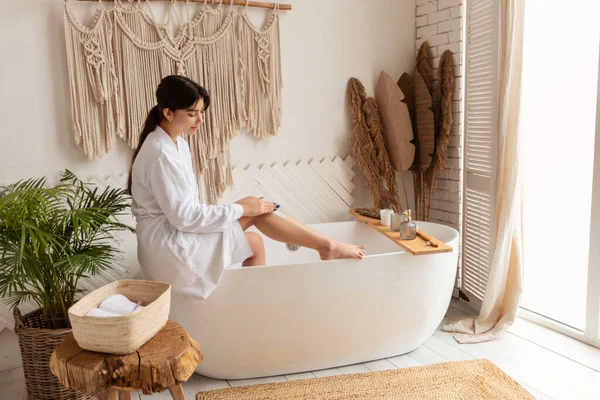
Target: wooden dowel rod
{"x": 430, "y": 241}
{"x": 260, "y": 4}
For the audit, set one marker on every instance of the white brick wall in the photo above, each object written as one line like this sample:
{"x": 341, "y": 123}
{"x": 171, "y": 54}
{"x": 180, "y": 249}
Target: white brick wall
{"x": 422, "y": 21}
{"x": 427, "y": 8}
{"x": 439, "y": 16}
{"x": 440, "y": 23}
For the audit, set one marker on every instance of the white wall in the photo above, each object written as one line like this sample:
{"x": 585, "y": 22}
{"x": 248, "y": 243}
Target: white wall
{"x": 323, "y": 44}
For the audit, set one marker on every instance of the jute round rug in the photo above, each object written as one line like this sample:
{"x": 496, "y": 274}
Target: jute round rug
{"x": 464, "y": 380}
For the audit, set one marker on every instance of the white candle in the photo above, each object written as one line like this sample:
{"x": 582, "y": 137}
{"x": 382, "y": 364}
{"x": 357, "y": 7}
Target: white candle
{"x": 386, "y": 216}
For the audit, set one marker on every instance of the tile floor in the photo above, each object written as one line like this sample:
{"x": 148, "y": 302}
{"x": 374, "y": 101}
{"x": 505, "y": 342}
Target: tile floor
{"x": 551, "y": 366}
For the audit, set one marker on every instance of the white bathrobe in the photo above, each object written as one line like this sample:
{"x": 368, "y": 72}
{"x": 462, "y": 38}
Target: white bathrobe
{"x": 180, "y": 240}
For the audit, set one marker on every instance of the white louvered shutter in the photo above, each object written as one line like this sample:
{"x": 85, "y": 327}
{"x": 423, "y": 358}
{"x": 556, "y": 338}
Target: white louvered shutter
{"x": 481, "y": 135}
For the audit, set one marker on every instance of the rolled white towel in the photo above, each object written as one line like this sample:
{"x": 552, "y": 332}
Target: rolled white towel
{"x": 96, "y": 312}
{"x": 119, "y": 304}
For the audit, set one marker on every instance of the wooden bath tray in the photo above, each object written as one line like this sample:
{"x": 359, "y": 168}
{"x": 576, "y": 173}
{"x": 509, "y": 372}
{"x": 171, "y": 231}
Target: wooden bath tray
{"x": 417, "y": 247}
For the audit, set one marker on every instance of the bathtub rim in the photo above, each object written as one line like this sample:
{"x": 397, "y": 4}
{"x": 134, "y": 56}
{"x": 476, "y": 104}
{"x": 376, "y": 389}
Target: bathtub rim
{"x": 454, "y": 233}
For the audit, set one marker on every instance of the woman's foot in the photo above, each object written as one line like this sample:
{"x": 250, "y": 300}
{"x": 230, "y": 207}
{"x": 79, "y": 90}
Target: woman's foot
{"x": 334, "y": 250}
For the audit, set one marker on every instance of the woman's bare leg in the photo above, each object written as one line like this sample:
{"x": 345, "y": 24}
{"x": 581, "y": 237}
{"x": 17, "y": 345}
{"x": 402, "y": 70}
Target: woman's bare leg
{"x": 257, "y": 246}
{"x": 284, "y": 229}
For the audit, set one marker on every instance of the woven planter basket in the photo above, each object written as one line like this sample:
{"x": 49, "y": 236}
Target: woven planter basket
{"x": 127, "y": 333}
{"x": 37, "y": 344}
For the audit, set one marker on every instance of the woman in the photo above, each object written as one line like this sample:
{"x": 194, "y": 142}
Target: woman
{"x": 180, "y": 240}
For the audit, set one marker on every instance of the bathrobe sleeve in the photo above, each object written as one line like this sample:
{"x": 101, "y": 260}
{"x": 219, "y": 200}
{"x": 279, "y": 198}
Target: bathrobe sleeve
{"x": 179, "y": 201}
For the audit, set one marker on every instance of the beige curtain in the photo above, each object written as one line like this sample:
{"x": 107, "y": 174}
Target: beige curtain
{"x": 501, "y": 299}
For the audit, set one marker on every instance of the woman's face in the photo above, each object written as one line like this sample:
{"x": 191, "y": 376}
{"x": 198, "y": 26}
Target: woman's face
{"x": 187, "y": 121}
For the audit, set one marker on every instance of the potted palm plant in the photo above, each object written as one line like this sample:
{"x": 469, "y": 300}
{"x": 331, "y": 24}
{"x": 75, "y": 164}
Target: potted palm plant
{"x": 50, "y": 239}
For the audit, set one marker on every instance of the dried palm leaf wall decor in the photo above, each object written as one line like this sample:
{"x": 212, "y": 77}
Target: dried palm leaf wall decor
{"x": 386, "y": 172}
{"x": 444, "y": 96}
{"x": 424, "y": 64}
{"x": 413, "y": 136}
{"x": 397, "y": 126}
{"x": 425, "y": 124}
{"x": 406, "y": 83}
{"x": 368, "y": 148}
{"x": 431, "y": 117}
{"x": 425, "y": 134}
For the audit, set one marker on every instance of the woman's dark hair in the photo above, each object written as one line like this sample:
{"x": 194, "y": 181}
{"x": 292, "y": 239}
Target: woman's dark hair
{"x": 174, "y": 92}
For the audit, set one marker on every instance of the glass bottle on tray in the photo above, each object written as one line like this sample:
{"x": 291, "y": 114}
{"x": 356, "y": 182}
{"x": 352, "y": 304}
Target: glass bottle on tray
{"x": 408, "y": 229}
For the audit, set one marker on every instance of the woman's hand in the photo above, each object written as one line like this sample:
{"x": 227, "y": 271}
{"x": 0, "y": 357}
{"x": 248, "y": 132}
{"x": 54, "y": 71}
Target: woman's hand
{"x": 254, "y": 206}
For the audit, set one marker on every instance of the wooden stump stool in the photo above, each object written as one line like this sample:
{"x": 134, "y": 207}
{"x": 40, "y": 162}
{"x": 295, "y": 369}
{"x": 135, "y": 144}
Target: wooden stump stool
{"x": 164, "y": 362}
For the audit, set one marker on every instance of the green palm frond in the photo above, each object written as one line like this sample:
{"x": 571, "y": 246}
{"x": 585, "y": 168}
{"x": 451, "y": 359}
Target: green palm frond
{"x": 51, "y": 237}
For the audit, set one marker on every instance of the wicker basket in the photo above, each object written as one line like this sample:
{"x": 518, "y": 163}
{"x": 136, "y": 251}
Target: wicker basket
{"x": 37, "y": 344}
{"x": 125, "y": 334}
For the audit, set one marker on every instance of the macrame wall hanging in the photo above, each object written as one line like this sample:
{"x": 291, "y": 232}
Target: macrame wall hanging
{"x": 94, "y": 109}
{"x": 261, "y": 77}
{"x": 116, "y": 65}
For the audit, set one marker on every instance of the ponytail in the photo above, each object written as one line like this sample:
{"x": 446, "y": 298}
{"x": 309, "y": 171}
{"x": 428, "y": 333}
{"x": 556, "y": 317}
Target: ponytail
{"x": 174, "y": 93}
{"x": 152, "y": 121}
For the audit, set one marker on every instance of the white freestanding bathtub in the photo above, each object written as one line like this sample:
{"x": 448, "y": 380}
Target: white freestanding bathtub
{"x": 299, "y": 313}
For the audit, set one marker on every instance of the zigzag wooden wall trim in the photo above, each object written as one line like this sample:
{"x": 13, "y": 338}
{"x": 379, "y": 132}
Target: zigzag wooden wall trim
{"x": 310, "y": 192}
